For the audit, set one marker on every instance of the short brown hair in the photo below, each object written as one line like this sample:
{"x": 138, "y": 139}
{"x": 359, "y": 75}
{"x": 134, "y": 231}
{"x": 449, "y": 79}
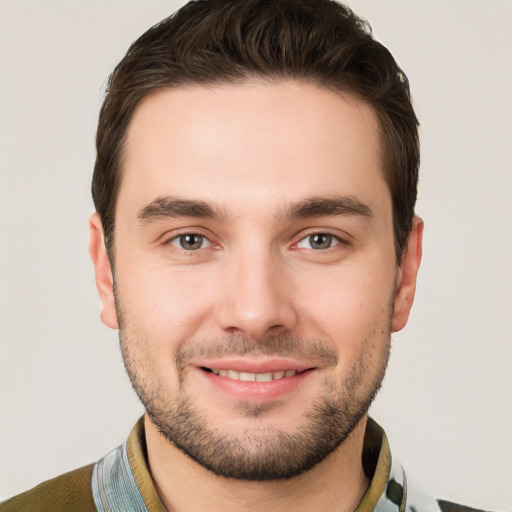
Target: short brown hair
{"x": 229, "y": 41}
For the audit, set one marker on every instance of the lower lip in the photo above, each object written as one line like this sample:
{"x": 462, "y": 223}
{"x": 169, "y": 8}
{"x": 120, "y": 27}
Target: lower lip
{"x": 257, "y": 391}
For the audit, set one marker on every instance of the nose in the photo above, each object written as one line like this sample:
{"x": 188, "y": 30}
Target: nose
{"x": 258, "y": 299}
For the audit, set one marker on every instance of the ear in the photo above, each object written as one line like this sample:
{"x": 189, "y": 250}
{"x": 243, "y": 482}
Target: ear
{"x": 103, "y": 272}
{"x": 406, "y": 276}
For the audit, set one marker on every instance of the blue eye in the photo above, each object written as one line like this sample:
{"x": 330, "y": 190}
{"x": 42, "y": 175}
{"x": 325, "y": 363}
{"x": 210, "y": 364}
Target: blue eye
{"x": 318, "y": 241}
{"x": 190, "y": 241}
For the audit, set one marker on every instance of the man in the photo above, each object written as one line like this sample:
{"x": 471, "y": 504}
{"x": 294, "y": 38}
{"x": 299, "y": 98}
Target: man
{"x": 255, "y": 244}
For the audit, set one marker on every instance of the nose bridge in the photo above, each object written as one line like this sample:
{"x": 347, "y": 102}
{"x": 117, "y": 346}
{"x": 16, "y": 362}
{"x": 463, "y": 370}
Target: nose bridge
{"x": 257, "y": 299}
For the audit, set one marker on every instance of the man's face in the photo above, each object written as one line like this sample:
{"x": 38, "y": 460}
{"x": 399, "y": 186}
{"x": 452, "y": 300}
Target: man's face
{"x": 255, "y": 277}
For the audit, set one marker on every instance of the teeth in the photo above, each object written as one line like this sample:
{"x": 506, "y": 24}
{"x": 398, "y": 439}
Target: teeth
{"x": 263, "y": 377}
{"x": 233, "y": 374}
{"x": 246, "y": 376}
{"x": 258, "y": 377}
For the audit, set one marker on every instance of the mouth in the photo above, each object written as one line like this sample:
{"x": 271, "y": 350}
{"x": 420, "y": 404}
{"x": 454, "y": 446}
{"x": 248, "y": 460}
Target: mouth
{"x": 253, "y": 377}
{"x": 255, "y": 382}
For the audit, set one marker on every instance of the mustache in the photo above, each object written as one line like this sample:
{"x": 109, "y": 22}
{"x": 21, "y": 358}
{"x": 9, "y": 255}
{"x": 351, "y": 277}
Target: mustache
{"x": 286, "y": 346}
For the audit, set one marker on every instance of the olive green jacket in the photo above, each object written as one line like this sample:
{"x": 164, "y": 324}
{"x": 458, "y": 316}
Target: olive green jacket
{"x": 121, "y": 481}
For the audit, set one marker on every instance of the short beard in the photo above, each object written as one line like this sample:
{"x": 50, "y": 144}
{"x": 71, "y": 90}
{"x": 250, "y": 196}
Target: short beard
{"x": 260, "y": 452}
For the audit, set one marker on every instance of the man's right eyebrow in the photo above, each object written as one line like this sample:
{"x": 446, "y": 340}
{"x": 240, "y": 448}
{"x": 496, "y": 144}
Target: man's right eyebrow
{"x": 171, "y": 207}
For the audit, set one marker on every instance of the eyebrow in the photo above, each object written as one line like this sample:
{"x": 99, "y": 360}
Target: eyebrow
{"x": 325, "y": 207}
{"x": 171, "y": 207}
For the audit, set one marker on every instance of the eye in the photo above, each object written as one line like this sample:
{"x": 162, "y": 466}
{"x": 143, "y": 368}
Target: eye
{"x": 190, "y": 241}
{"x": 318, "y": 241}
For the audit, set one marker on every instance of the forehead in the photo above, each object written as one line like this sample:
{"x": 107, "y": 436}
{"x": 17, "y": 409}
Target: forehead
{"x": 246, "y": 143}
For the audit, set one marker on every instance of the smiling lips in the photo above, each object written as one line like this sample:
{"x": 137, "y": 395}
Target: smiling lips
{"x": 253, "y": 377}
{"x": 255, "y": 381}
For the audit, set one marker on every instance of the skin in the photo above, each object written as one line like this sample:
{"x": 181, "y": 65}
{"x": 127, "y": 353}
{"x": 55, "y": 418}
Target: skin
{"x": 250, "y": 151}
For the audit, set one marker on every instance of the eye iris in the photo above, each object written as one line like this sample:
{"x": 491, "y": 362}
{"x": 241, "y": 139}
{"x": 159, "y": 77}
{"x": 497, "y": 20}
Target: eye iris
{"x": 320, "y": 241}
{"x": 191, "y": 242}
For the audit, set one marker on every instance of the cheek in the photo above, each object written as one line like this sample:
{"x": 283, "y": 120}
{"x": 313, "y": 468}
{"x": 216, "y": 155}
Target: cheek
{"x": 158, "y": 311}
{"x": 165, "y": 304}
{"x": 353, "y": 306}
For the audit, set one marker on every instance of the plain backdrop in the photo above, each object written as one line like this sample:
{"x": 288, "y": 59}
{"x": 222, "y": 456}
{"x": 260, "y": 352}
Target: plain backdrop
{"x": 446, "y": 402}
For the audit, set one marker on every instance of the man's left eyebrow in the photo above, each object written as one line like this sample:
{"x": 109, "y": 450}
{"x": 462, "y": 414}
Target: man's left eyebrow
{"x": 325, "y": 207}
{"x": 170, "y": 207}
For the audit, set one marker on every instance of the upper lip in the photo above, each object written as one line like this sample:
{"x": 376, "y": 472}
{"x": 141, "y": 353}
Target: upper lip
{"x": 254, "y": 366}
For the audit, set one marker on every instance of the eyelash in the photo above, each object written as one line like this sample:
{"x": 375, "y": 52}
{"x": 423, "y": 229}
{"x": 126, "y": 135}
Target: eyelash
{"x": 334, "y": 241}
{"x": 176, "y": 238}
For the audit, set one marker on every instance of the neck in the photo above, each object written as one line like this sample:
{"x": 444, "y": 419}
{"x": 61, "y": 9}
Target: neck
{"x": 336, "y": 484}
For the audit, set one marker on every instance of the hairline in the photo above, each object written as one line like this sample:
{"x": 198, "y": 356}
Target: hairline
{"x": 345, "y": 91}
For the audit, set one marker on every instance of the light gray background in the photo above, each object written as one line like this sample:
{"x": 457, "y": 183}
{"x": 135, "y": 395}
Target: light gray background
{"x": 446, "y": 402}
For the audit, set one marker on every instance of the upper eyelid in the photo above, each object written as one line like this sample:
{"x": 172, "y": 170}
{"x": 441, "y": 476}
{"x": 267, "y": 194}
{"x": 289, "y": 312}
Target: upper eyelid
{"x": 176, "y": 233}
{"x": 341, "y": 237}
{"x": 176, "y": 237}
{"x": 337, "y": 239}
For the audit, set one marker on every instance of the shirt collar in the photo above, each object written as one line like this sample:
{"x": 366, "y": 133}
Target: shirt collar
{"x": 122, "y": 481}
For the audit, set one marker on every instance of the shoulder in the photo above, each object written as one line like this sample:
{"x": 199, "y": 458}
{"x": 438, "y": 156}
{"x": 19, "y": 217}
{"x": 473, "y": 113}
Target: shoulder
{"x": 68, "y": 492}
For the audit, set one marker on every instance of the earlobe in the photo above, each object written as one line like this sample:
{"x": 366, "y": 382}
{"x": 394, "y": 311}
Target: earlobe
{"x": 103, "y": 272}
{"x": 406, "y": 276}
